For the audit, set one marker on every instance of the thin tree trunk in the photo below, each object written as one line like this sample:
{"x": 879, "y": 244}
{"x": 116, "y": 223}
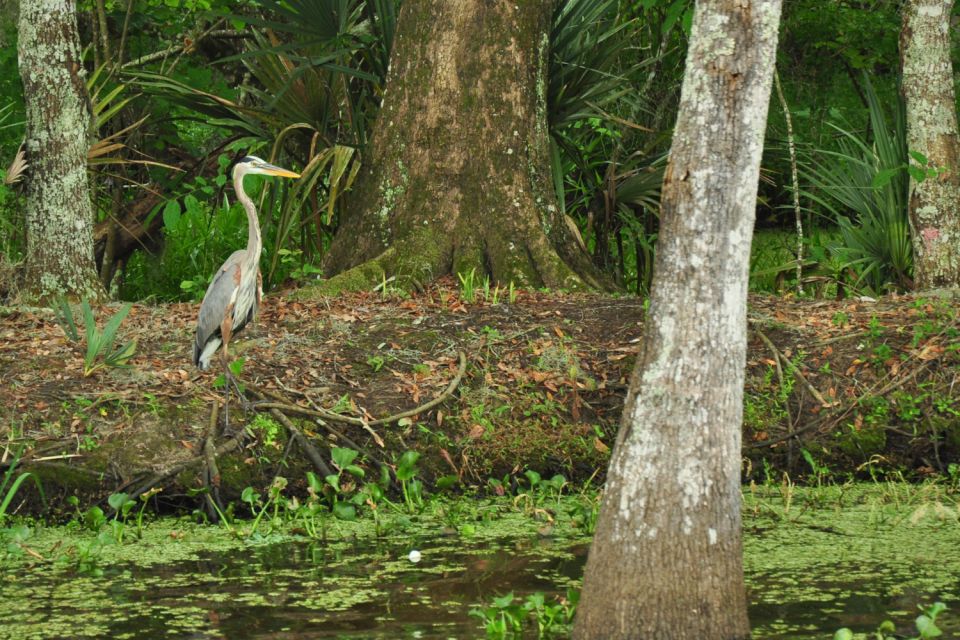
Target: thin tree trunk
{"x": 457, "y": 176}
{"x": 666, "y": 560}
{"x": 59, "y": 214}
{"x": 934, "y": 203}
{"x": 794, "y": 179}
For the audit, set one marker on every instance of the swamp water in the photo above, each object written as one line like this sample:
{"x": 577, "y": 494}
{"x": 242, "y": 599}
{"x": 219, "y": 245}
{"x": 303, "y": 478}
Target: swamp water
{"x": 815, "y": 560}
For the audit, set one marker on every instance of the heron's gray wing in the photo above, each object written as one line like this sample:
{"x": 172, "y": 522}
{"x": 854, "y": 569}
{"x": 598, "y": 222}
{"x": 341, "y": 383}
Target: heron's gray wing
{"x": 216, "y": 303}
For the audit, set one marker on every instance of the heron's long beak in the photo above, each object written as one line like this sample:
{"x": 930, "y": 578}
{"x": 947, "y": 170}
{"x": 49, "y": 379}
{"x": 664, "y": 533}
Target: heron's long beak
{"x": 273, "y": 170}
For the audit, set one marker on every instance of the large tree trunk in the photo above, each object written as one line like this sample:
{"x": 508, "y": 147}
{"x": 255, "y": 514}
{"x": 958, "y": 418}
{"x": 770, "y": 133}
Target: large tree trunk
{"x": 666, "y": 558}
{"x": 457, "y": 176}
{"x": 59, "y": 256}
{"x": 934, "y": 207}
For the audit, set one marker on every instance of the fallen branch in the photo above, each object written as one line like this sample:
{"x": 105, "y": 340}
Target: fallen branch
{"x": 319, "y": 412}
{"x": 795, "y": 369}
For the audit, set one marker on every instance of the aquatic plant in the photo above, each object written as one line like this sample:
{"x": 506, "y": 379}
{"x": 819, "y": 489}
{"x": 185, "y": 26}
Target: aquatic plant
{"x": 926, "y": 624}
{"x": 410, "y": 485}
{"x": 121, "y": 505}
{"x": 506, "y": 617}
{"x": 10, "y": 485}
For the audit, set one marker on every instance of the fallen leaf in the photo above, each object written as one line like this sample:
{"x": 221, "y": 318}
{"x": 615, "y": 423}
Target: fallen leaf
{"x": 476, "y": 432}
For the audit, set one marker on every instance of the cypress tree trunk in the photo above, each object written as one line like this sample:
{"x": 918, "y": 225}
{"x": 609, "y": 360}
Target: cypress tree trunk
{"x": 666, "y": 560}
{"x": 59, "y": 256}
{"x": 934, "y": 204}
{"x": 457, "y": 177}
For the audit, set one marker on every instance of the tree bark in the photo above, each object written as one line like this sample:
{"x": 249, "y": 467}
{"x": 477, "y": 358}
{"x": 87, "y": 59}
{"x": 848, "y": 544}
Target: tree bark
{"x": 59, "y": 214}
{"x": 457, "y": 176}
{"x": 934, "y": 204}
{"x": 666, "y": 558}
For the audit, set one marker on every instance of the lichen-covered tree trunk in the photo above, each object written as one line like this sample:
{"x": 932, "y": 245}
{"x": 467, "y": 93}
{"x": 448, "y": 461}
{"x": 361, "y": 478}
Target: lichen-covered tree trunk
{"x": 59, "y": 215}
{"x": 666, "y": 560}
{"x": 457, "y": 176}
{"x": 934, "y": 204}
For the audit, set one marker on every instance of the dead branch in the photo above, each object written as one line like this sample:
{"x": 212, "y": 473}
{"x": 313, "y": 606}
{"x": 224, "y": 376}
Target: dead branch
{"x": 793, "y": 368}
{"x": 319, "y": 412}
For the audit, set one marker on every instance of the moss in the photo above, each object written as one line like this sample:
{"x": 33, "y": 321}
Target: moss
{"x": 862, "y": 442}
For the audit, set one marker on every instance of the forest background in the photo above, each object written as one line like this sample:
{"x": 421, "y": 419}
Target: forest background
{"x": 182, "y": 89}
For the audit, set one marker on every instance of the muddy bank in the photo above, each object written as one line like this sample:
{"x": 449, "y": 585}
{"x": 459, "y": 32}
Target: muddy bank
{"x": 845, "y": 388}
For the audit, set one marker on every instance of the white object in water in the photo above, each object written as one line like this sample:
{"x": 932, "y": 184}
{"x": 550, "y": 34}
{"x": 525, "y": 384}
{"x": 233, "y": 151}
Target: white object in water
{"x": 414, "y": 556}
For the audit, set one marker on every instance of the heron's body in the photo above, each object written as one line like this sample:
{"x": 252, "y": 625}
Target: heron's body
{"x": 233, "y": 296}
{"x": 230, "y": 297}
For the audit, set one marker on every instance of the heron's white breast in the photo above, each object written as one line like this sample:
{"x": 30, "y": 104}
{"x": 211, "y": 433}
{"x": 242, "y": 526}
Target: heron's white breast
{"x": 246, "y": 295}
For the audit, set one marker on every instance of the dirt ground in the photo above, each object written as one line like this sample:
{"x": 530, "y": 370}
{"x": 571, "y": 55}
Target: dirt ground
{"x": 845, "y": 387}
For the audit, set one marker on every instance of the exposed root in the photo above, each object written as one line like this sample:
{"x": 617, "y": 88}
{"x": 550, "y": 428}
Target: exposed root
{"x": 162, "y": 476}
{"x": 297, "y": 436}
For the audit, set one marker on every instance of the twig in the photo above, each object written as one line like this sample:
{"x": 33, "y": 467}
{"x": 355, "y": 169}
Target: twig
{"x": 430, "y": 405}
{"x": 319, "y": 412}
{"x": 848, "y": 336}
{"x": 158, "y": 55}
{"x": 794, "y": 369}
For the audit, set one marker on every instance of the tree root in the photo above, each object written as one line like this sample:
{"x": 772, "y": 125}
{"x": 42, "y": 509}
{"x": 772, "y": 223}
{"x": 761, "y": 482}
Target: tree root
{"x": 172, "y": 470}
{"x": 297, "y": 436}
{"x": 282, "y": 409}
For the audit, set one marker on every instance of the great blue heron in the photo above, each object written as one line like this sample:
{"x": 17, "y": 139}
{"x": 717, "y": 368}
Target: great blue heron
{"x": 233, "y": 296}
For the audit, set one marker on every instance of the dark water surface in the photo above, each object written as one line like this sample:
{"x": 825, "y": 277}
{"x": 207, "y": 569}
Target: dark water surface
{"x": 812, "y": 566}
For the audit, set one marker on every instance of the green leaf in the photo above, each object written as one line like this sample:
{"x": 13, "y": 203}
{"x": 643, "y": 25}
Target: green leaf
{"x": 927, "y": 627}
{"x": 503, "y": 601}
{"x": 345, "y": 511}
{"x": 93, "y": 336}
{"x": 883, "y": 177}
{"x": 314, "y": 482}
{"x": 917, "y": 173}
{"x": 354, "y": 470}
{"x": 120, "y": 357}
{"x": 445, "y": 482}
{"x": 171, "y": 215}
{"x": 117, "y": 500}
{"x": 919, "y": 157}
{"x": 843, "y": 634}
{"x": 343, "y": 457}
{"x": 334, "y": 481}
{"x": 250, "y": 496}
{"x": 110, "y": 330}
{"x": 408, "y": 459}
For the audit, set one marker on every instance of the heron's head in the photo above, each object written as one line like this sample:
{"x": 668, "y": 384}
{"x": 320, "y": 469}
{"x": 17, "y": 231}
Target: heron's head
{"x": 253, "y": 164}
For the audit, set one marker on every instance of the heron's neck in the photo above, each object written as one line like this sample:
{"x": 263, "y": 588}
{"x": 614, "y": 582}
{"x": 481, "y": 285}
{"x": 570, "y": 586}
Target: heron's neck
{"x": 254, "y": 242}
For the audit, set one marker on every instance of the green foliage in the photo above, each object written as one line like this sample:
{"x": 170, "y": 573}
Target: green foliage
{"x": 468, "y": 286}
{"x": 410, "y": 485}
{"x": 100, "y": 351}
{"x": 863, "y": 185}
{"x": 506, "y": 617}
{"x": 925, "y": 623}
{"x": 10, "y": 485}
